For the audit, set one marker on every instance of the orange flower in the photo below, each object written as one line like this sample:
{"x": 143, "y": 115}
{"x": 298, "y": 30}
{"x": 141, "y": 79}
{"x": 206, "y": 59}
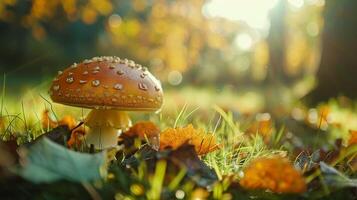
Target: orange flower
{"x": 176, "y": 137}
{"x": 353, "y": 138}
{"x": 276, "y": 174}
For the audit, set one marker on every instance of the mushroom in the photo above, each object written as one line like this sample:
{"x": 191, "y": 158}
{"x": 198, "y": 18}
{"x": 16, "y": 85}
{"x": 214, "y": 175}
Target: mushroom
{"x": 110, "y": 86}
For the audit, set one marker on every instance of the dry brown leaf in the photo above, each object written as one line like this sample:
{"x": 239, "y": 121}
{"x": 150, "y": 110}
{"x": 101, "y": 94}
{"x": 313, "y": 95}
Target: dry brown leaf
{"x": 77, "y": 135}
{"x": 175, "y": 137}
{"x": 276, "y": 174}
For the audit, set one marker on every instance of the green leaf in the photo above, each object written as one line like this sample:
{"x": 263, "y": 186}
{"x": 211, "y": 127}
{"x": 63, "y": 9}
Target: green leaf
{"x": 334, "y": 178}
{"x": 46, "y": 162}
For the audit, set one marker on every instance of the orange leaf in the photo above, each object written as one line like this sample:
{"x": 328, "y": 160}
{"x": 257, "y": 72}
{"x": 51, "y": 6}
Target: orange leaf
{"x": 77, "y": 137}
{"x": 47, "y": 121}
{"x": 175, "y": 137}
{"x": 353, "y": 137}
{"x": 66, "y": 120}
{"x": 276, "y": 174}
{"x": 143, "y": 130}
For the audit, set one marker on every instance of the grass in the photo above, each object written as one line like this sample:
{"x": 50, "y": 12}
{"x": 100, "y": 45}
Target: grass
{"x": 22, "y": 118}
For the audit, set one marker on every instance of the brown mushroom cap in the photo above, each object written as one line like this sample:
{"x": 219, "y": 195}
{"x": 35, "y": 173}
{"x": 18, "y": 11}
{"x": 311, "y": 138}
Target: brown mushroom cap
{"x": 108, "y": 83}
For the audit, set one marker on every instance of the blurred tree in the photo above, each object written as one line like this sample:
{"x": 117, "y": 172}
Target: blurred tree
{"x": 277, "y": 44}
{"x": 338, "y": 67}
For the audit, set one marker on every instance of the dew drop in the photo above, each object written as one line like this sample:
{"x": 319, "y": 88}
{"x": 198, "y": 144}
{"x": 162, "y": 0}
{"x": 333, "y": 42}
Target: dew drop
{"x": 60, "y": 73}
{"x": 82, "y": 81}
{"x": 85, "y": 72}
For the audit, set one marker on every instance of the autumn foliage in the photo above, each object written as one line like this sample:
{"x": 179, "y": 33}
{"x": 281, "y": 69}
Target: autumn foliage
{"x": 77, "y": 135}
{"x": 47, "y": 122}
{"x": 353, "y": 137}
{"x": 175, "y": 137}
{"x": 275, "y": 174}
{"x": 143, "y": 130}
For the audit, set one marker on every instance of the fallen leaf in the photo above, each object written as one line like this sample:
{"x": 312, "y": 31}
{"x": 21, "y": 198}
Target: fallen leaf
{"x": 77, "y": 138}
{"x": 173, "y": 138}
{"x": 145, "y": 131}
{"x": 67, "y": 120}
{"x": 186, "y": 156}
{"x": 262, "y": 126}
{"x": 353, "y": 138}
{"x": 334, "y": 178}
{"x": 60, "y": 134}
{"x": 8, "y": 156}
{"x": 276, "y": 174}
{"x": 47, "y": 162}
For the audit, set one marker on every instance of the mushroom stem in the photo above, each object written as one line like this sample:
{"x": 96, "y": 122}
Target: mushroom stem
{"x": 102, "y": 137}
{"x": 104, "y": 126}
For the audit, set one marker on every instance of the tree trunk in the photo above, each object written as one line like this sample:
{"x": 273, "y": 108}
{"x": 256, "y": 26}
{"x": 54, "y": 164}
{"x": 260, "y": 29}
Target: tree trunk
{"x": 277, "y": 46}
{"x": 337, "y": 74}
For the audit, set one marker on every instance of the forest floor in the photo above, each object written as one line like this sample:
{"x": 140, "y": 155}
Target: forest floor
{"x": 204, "y": 144}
